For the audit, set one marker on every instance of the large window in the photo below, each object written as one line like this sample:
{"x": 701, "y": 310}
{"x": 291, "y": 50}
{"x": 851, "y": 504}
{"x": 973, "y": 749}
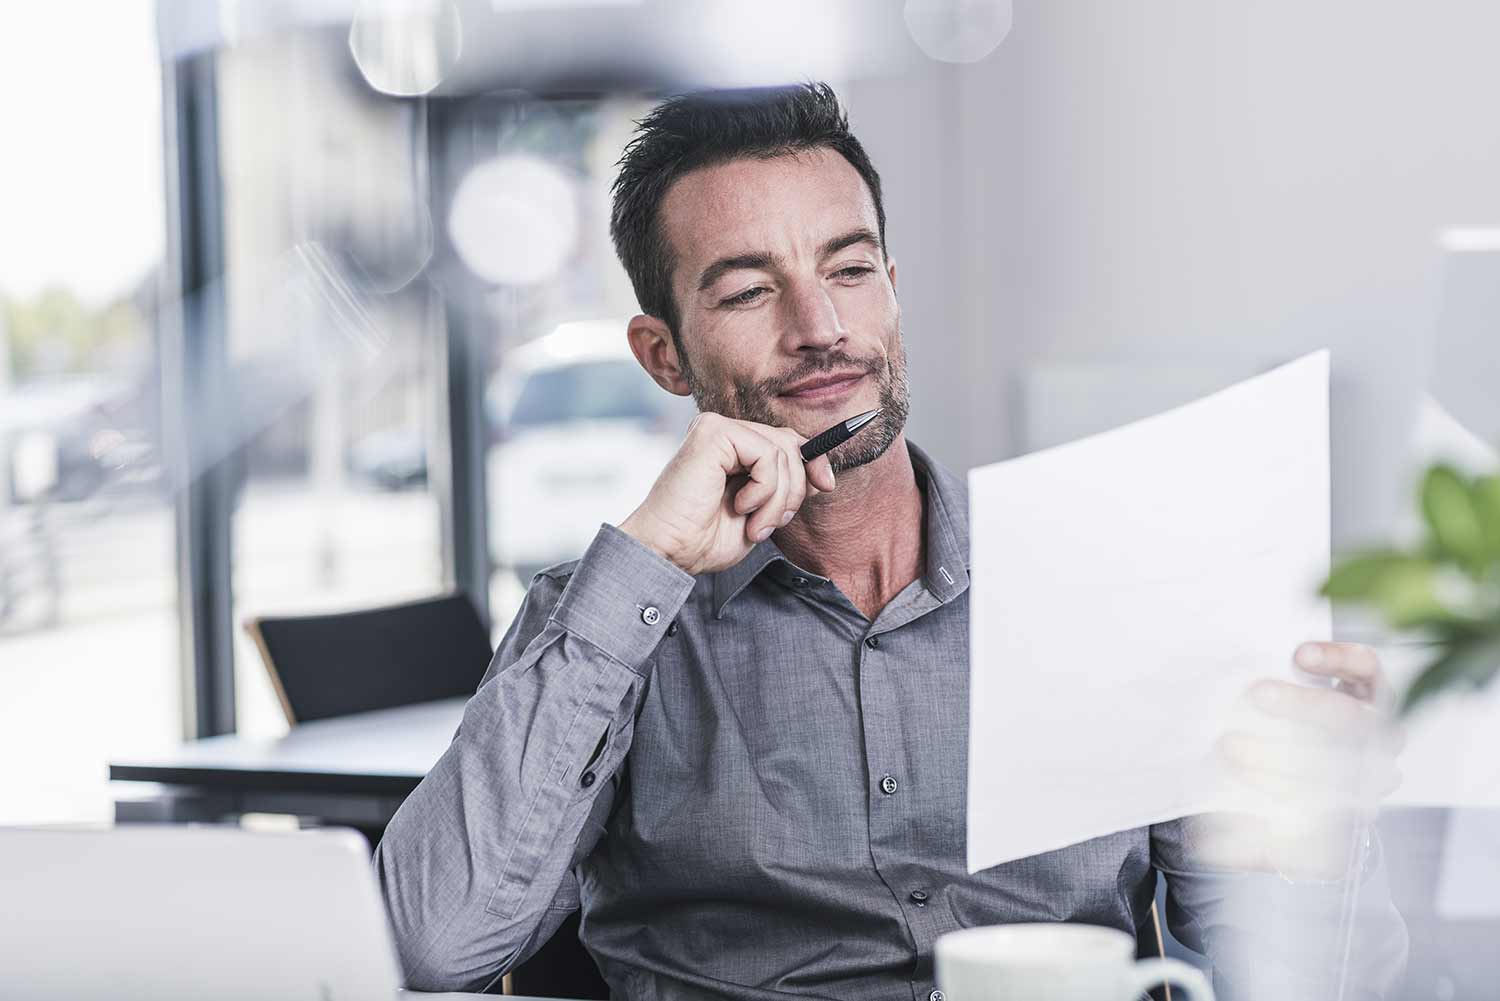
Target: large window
{"x": 575, "y": 430}
{"x": 333, "y": 334}
{"x": 344, "y": 245}
{"x": 88, "y": 626}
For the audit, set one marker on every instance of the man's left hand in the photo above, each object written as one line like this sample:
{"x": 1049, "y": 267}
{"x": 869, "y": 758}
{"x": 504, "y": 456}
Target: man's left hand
{"x": 1318, "y": 758}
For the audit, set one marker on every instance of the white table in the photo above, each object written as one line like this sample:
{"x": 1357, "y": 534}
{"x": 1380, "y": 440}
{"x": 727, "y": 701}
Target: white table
{"x": 351, "y": 770}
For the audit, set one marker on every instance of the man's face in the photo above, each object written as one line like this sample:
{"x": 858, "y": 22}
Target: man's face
{"x": 787, "y": 304}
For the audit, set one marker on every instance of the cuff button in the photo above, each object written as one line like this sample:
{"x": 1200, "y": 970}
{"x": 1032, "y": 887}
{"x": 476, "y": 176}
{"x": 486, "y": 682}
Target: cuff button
{"x": 651, "y": 615}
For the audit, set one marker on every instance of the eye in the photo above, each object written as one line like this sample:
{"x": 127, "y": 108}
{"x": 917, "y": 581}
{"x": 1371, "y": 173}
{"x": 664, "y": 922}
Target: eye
{"x": 744, "y": 298}
{"x": 853, "y": 272}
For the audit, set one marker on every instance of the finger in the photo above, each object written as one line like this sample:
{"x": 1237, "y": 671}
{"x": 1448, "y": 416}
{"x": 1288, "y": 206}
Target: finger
{"x": 1309, "y": 771}
{"x": 1334, "y": 714}
{"x": 767, "y": 517}
{"x": 796, "y": 481}
{"x": 741, "y": 450}
{"x": 1363, "y": 790}
{"x": 757, "y": 490}
{"x": 790, "y": 442}
{"x": 820, "y": 473}
{"x": 816, "y": 476}
{"x": 800, "y": 469}
{"x": 1353, "y": 663}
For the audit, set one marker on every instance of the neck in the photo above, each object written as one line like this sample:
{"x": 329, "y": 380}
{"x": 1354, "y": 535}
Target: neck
{"x": 865, "y": 536}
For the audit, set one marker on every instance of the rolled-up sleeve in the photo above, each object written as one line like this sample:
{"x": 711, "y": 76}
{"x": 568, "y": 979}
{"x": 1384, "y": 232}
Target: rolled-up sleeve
{"x": 474, "y": 858}
{"x": 1267, "y": 936}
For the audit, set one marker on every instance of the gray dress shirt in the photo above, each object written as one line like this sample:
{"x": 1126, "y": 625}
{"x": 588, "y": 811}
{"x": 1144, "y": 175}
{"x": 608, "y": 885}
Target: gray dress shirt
{"x": 754, "y": 792}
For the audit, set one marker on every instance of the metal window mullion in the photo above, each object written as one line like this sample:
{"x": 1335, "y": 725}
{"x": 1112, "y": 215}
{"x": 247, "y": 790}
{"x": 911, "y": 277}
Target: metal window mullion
{"x": 196, "y": 402}
{"x": 459, "y": 472}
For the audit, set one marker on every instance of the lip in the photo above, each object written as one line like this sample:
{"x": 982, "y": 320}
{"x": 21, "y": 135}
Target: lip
{"x": 824, "y": 386}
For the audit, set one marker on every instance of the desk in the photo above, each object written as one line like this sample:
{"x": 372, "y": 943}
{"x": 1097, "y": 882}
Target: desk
{"x": 352, "y": 770}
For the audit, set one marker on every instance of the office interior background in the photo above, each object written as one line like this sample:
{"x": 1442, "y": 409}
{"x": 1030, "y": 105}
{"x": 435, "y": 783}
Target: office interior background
{"x": 311, "y": 306}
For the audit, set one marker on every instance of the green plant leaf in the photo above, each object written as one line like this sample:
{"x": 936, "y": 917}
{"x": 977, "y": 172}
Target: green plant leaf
{"x": 1472, "y": 663}
{"x": 1485, "y": 493}
{"x": 1358, "y": 577}
{"x": 1451, "y": 516}
{"x": 1407, "y": 595}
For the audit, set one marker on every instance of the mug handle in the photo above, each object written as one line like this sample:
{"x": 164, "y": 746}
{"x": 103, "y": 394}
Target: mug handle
{"x": 1150, "y": 972}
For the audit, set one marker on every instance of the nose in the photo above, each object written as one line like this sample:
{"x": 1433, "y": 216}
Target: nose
{"x": 811, "y": 322}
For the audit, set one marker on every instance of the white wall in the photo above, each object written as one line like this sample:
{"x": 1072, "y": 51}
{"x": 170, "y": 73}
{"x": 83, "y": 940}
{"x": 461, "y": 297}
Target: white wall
{"x": 1189, "y": 181}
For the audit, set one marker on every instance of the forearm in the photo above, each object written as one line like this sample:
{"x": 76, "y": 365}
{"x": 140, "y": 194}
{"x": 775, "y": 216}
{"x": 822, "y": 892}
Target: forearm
{"x": 1267, "y": 936}
{"x": 473, "y": 859}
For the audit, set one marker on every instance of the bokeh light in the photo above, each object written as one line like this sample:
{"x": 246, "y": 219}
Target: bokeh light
{"x": 405, "y": 48}
{"x": 514, "y": 219}
{"x": 958, "y": 31}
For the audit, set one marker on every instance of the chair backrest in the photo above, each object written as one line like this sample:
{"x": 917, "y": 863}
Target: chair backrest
{"x": 377, "y": 658}
{"x": 562, "y": 968}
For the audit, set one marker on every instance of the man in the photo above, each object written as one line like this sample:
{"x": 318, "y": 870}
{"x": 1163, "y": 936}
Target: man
{"x": 735, "y": 730}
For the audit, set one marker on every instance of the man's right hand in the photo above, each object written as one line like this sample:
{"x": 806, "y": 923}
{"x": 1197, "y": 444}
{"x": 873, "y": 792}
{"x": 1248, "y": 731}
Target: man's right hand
{"x": 730, "y": 485}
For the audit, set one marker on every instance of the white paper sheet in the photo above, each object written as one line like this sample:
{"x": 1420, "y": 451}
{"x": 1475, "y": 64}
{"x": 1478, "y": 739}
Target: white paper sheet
{"x": 1125, "y": 590}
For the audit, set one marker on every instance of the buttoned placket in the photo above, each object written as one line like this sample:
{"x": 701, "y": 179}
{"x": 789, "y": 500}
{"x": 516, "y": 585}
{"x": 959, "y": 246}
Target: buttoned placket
{"x": 893, "y": 805}
{"x": 894, "y": 801}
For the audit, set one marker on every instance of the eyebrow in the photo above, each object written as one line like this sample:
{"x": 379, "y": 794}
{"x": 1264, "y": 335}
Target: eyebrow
{"x": 763, "y": 260}
{"x": 718, "y": 269}
{"x": 849, "y": 239}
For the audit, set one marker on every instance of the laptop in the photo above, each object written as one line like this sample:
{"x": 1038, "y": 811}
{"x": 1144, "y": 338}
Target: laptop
{"x": 172, "y": 913}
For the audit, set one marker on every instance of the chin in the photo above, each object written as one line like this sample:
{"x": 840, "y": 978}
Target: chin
{"x": 864, "y": 448}
{"x": 814, "y": 417}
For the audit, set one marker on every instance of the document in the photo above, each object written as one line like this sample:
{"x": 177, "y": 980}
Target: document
{"x": 1125, "y": 590}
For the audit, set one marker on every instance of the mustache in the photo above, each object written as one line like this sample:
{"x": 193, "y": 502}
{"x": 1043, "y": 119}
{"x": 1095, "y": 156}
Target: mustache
{"x": 829, "y": 362}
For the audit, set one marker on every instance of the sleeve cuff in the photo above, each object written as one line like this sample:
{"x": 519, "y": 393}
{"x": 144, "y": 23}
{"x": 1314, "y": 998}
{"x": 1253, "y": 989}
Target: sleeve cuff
{"x": 622, "y": 596}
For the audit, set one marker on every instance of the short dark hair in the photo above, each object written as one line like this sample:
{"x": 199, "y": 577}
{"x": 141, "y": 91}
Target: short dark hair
{"x": 704, "y": 129}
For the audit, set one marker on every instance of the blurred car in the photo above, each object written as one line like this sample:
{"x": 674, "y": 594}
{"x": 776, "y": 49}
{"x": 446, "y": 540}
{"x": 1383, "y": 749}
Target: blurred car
{"x": 392, "y": 459}
{"x": 581, "y": 434}
{"x": 70, "y": 438}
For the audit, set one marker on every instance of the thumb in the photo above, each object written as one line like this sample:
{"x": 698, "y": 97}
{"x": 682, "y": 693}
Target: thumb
{"x": 820, "y": 473}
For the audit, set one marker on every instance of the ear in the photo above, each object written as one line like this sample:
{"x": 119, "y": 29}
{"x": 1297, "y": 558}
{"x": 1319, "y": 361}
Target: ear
{"x": 890, "y": 270}
{"x": 651, "y": 343}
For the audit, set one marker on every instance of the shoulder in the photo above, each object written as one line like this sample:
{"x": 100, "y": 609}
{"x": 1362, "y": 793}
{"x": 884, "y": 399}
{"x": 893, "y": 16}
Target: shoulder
{"x": 557, "y": 573}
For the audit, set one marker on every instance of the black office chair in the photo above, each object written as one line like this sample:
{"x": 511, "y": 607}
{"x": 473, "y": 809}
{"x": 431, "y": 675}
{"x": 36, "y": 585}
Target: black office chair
{"x": 379, "y": 658}
{"x": 561, "y": 968}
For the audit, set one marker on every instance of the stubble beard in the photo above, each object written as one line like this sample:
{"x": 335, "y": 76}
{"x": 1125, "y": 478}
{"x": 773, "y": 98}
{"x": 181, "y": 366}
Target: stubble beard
{"x": 748, "y": 401}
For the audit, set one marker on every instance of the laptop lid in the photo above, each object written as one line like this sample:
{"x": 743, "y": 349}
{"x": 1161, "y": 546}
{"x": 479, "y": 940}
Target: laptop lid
{"x": 173, "y": 913}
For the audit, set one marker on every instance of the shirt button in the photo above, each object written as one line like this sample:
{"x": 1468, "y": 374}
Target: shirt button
{"x": 935, "y": 996}
{"x": 651, "y": 615}
{"x": 888, "y": 785}
{"x": 873, "y": 642}
{"x": 587, "y": 779}
{"x": 672, "y": 628}
{"x": 919, "y": 897}
{"x": 799, "y": 581}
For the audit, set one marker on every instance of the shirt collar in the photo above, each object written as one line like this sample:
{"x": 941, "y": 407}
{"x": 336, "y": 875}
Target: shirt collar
{"x": 946, "y": 540}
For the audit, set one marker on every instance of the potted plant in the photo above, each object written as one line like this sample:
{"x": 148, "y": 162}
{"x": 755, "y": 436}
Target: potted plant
{"x": 1445, "y": 588}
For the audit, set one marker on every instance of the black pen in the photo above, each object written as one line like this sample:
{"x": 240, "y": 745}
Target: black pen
{"x": 836, "y": 435}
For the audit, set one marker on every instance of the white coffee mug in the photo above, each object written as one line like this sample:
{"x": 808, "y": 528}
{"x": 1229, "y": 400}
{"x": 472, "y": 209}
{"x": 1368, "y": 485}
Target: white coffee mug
{"x": 1056, "y": 962}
